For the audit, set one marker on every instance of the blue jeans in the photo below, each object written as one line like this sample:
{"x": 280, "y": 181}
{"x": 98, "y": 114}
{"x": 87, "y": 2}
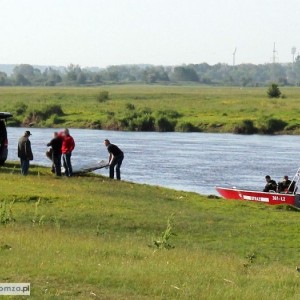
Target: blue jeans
{"x": 116, "y": 162}
{"x": 24, "y": 166}
{"x": 67, "y": 164}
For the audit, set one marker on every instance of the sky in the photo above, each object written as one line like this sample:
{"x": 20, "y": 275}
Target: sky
{"x": 160, "y": 32}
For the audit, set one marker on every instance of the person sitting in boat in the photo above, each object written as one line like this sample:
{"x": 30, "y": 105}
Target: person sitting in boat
{"x": 271, "y": 184}
{"x": 286, "y": 185}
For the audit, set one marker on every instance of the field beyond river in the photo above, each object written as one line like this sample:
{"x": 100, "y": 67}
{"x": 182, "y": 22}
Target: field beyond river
{"x": 89, "y": 237}
{"x": 155, "y": 108}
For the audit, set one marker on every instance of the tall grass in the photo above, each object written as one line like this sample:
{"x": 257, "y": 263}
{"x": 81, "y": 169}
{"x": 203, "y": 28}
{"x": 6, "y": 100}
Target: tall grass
{"x": 212, "y": 109}
{"x": 95, "y": 240}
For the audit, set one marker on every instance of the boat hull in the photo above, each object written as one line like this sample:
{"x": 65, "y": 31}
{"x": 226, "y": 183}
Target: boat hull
{"x": 256, "y": 196}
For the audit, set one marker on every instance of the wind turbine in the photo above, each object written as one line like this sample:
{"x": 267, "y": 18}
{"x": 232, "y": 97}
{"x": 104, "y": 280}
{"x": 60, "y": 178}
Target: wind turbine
{"x": 293, "y": 51}
{"x": 233, "y": 57}
{"x": 274, "y": 54}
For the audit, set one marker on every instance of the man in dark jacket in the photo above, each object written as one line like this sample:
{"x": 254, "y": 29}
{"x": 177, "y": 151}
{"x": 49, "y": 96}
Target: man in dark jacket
{"x": 286, "y": 185}
{"x": 56, "y": 145}
{"x": 25, "y": 152}
{"x": 271, "y": 184}
{"x": 115, "y": 159}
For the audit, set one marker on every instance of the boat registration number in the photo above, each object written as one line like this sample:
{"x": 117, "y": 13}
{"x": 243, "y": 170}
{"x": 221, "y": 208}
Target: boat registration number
{"x": 278, "y": 198}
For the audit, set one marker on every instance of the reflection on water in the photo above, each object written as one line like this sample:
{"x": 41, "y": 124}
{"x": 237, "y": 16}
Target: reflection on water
{"x": 185, "y": 161}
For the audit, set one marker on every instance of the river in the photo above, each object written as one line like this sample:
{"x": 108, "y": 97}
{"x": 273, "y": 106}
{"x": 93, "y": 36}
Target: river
{"x": 184, "y": 161}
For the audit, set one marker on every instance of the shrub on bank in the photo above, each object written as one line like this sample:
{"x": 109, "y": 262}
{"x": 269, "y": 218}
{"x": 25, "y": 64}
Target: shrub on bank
{"x": 145, "y": 123}
{"x": 186, "y": 127}
{"x": 271, "y": 125}
{"x": 166, "y": 120}
{"x": 165, "y": 124}
{"x": 245, "y": 127}
{"x": 136, "y": 120}
{"x": 142, "y": 120}
{"x": 36, "y": 116}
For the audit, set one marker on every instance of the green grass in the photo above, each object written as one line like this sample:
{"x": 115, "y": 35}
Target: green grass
{"x": 211, "y": 109}
{"x": 92, "y": 238}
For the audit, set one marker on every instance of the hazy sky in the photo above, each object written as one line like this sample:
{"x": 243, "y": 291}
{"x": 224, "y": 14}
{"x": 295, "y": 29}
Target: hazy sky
{"x": 160, "y": 32}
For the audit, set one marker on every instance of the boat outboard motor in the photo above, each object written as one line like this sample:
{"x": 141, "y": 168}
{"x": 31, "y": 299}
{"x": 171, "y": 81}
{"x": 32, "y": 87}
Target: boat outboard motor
{"x": 297, "y": 200}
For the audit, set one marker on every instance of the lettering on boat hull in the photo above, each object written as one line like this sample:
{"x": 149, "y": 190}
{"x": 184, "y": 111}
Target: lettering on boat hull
{"x": 278, "y": 198}
{"x": 255, "y": 198}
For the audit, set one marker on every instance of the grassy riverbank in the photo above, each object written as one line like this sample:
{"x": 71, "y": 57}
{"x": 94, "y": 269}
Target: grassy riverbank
{"x": 92, "y": 238}
{"x": 160, "y": 108}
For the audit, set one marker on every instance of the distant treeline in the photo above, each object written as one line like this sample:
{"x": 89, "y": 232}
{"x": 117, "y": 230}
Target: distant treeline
{"x": 218, "y": 74}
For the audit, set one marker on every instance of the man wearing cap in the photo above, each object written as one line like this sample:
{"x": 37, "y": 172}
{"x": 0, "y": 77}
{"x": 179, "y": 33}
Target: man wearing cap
{"x": 25, "y": 152}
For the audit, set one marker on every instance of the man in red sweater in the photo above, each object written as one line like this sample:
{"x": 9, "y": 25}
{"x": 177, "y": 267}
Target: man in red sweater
{"x": 67, "y": 147}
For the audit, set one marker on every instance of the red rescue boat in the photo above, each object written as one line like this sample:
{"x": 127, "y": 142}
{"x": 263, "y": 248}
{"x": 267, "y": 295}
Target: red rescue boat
{"x": 256, "y": 196}
{"x": 271, "y": 197}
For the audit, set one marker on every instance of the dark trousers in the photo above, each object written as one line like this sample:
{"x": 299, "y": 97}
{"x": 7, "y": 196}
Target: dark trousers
{"x": 24, "y": 166}
{"x": 116, "y": 162}
{"x": 67, "y": 164}
{"x": 56, "y": 158}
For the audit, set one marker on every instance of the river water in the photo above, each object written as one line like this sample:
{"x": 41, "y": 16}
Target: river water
{"x": 184, "y": 161}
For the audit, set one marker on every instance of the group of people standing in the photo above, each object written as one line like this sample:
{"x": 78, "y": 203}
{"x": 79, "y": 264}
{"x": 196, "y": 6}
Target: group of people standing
{"x": 62, "y": 146}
